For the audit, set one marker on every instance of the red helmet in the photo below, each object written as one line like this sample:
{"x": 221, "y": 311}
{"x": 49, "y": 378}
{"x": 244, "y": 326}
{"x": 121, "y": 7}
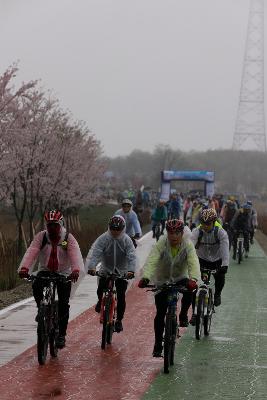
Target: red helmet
{"x": 53, "y": 216}
{"x": 175, "y": 226}
{"x": 117, "y": 223}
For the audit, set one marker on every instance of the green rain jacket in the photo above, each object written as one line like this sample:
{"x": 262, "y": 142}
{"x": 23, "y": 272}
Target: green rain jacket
{"x": 161, "y": 267}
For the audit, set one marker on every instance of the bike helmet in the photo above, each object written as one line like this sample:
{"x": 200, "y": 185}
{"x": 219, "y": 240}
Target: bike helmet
{"x": 174, "y": 226}
{"x": 126, "y": 201}
{"x": 246, "y": 206}
{"x": 53, "y": 216}
{"x": 117, "y": 223}
{"x": 208, "y": 215}
{"x": 249, "y": 202}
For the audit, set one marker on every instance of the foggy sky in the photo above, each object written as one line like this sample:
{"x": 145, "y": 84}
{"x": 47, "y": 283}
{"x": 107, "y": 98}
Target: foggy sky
{"x": 139, "y": 72}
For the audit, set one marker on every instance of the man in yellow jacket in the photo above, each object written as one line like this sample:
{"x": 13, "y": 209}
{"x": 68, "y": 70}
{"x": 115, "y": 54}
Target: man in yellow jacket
{"x": 172, "y": 259}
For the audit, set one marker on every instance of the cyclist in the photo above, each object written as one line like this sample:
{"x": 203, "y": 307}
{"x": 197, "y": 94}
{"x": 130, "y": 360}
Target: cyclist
{"x": 58, "y": 251}
{"x": 212, "y": 247}
{"x": 227, "y": 214}
{"x": 116, "y": 252}
{"x": 241, "y": 223}
{"x": 159, "y": 216}
{"x": 253, "y": 222}
{"x": 174, "y": 206}
{"x": 192, "y": 217}
{"x": 133, "y": 228}
{"x": 172, "y": 259}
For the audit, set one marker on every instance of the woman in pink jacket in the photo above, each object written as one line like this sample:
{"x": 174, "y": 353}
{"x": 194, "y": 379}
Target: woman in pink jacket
{"x": 57, "y": 252}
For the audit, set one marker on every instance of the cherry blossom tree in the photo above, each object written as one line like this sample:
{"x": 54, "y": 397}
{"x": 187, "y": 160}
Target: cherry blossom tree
{"x": 47, "y": 159}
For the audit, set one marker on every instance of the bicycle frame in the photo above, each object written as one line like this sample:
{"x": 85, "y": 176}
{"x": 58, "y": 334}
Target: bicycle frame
{"x": 157, "y": 230}
{"x": 171, "y": 324}
{"x": 47, "y": 328}
{"x": 109, "y": 294}
{"x": 204, "y": 313}
{"x": 240, "y": 246}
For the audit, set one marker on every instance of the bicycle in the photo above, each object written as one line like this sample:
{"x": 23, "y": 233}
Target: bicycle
{"x": 171, "y": 322}
{"x": 204, "y": 304}
{"x": 108, "y": 309}
{"x": 157, "y": 230}
{"x": 47, "y": 317}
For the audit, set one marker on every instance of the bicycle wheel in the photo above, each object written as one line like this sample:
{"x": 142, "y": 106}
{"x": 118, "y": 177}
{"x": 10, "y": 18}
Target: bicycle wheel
{"x": 173, "y": 339}
{"x": 200, "y": 315}
{"x": 157, "y": 233}
{"x": 54, "y": 331}
{"x": 167, "y": 343}
{"x": 105, "y": 325}
{"x": 240, "y": 252}
{"x": 208, "y": 317}
{"x": 110, "y": 327}
{"x": 42, "y": 334}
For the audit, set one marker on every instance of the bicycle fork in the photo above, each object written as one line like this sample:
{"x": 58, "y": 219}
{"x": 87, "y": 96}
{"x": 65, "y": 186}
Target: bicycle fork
{"x": 203, "y": 288}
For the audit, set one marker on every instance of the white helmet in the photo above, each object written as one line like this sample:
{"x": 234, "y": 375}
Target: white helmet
{"x": 126, "y": 201}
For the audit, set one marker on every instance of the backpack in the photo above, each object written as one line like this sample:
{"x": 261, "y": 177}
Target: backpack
{"x": 216, "y": 236}
{"x": 45, "y": 240}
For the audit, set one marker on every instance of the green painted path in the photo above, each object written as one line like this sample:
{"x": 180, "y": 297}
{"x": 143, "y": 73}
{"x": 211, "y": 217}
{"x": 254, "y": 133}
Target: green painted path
{"x": 230, "y": 364}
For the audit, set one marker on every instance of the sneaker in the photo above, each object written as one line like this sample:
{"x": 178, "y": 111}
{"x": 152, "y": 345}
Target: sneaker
{"x": 98, "y": 306}
{"x": 118, "y": 326}
{"x": 217, "y": 300}
{"x": 60, "y": 342}
{"x": 183, "y": 322}
{"x": 157, "y": 351}
{"x": 193, "y": 320}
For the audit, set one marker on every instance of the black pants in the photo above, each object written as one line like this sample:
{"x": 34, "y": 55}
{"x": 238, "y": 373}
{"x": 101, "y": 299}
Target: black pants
{"x": 246, "y": 240}
{"x": 219, "y": 276}
{"x": 63, "y": 291}
{"x": 161, "y": 301}
{"x": 162, "y": 223}
{"x": 121, "y": 286}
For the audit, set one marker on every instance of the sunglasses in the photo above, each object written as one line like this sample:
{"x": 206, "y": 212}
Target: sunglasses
{"x": 126, "y": 205}
{"x": 115, "y": 228}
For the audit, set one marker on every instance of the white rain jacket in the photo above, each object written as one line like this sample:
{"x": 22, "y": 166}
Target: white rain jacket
{"x": 209, "y": 248}
{"x": 114, "y": 254}
{"x": 69, "y": 257}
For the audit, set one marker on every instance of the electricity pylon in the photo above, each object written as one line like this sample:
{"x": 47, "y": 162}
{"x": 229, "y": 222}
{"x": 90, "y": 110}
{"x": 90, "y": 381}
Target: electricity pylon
{"x": 250, "y": 122}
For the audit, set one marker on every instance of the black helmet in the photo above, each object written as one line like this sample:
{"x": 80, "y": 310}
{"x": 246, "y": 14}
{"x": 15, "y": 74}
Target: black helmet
{"x": 117, "y": 223}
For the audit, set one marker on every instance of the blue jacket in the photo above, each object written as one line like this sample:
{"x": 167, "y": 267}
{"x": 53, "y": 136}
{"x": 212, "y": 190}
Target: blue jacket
{"x": 132, "y": 223}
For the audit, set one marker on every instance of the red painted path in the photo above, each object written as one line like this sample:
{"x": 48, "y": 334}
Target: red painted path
{"x": 84, "y": 371}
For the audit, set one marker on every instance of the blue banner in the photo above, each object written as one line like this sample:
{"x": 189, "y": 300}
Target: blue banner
{"x": 207, "y": 176}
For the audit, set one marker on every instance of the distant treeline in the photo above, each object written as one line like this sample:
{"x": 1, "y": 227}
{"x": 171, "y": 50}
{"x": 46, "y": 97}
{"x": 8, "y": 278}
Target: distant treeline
{"x": 235, "y": 171}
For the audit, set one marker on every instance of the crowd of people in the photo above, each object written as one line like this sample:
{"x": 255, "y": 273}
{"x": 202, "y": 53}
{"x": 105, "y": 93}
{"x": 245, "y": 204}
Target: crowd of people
{"x": 199, "y": 234}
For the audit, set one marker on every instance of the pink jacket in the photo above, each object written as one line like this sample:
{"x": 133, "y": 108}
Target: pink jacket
{"x": 69, "y": 258}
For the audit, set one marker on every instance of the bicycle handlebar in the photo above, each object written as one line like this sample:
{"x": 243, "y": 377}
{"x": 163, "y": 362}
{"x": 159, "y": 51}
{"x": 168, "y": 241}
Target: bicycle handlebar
{"x": 112, "y": 275}
{"x": 169, "y": 285}
{"x": 53, "y": 278}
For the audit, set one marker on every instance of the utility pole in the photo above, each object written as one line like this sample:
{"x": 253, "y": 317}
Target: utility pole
{"x": 250, "y": 122}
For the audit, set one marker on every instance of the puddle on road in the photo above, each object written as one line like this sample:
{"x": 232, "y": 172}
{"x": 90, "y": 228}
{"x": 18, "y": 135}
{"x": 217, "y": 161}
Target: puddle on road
{"x": 222, "y": 339}
{"x": 254, "y": 366}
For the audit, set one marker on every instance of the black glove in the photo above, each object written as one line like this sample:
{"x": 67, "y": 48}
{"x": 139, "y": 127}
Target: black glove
{"x": 223, "y": 269}
{"x": 137, "y": 236}
{"x": 143, "y": 283}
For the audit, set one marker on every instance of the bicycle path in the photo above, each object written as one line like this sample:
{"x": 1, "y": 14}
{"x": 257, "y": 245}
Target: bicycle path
{"x": 230, "y": 364}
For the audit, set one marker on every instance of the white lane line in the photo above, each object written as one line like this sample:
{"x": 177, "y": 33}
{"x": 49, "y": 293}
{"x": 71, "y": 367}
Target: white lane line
{"x": 16, "y": 305}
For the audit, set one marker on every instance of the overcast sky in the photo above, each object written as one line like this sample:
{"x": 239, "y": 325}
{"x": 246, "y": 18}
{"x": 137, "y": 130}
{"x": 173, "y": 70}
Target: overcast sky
{"x": 139, "y": 72}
